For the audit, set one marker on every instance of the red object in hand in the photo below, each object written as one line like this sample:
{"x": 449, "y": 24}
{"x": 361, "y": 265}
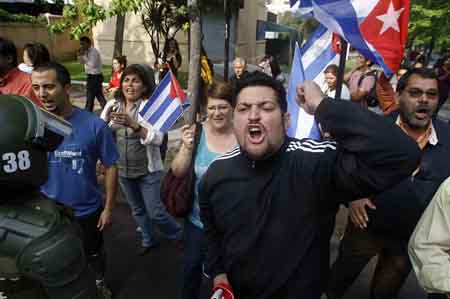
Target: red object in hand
{"x": 227, "y": 291}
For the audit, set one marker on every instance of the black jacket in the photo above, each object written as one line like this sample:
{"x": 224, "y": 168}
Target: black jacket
{"x": 400, "y": 207}
{"x": 262, "y": 218}
{"x": 234, "y": 80}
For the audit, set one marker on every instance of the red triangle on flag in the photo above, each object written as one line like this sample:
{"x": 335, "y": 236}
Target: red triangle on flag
{"x": 336, "y": 43}
{"x": 386, "y": 29}
{"x": 176, "y": 91}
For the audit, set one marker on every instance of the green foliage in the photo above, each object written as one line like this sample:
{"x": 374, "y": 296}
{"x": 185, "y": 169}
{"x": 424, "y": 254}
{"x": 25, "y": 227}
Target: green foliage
{"x": 160, "y": 17}
{"x": 21, "y": 18}
{"x": 429, "y": 23}
{"x": 76, "y": 71}
{"x": 291, "y": 20}
{"x": 79, "y": 18}
{"x": 121, "y": 7}
{"x": 183, "y": 79}
{"x": 303, "y": 26}
{"x": 162, "y": 20}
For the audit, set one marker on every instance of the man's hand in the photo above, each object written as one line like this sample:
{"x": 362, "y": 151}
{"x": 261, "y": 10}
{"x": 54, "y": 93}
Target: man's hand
{"x": 309, "y": 96}
{"x": 105, "y": 219}
{"x": 358, "y": 214}
{"x": 222, "y": 288}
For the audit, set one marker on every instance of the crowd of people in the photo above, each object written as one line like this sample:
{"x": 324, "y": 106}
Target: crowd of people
{"x": 264, "y": 203}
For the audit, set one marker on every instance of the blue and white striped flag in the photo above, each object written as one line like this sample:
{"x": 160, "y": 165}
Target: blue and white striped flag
{"x": 378, "y": 29}
{"x": 309, "y": 64}
{"x": 318, "y": 53}
{"x": 166, "y": 104}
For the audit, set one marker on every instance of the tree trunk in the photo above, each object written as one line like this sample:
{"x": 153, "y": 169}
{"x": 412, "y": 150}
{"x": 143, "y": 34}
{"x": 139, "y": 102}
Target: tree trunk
{"x": 194, "y": 62}
{"x": 118, "y": 37}
{"x": 430, "y": 49}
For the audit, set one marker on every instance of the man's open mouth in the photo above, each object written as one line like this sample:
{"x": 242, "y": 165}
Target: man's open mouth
{"x": 256, "y": 134}
{"x": 422, "y": 113}
{"x": 49, "y": 106}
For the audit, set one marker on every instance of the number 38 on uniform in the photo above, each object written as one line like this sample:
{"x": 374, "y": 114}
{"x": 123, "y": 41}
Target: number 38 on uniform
{"x": 13, "y": 162}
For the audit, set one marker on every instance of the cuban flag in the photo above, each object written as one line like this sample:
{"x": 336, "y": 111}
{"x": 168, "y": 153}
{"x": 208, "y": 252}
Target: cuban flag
{"x": 378, "y": 29}
{"x": 309, "y": 63}
{"x": 317, "y": 53}
{"x": 166, "y": 104}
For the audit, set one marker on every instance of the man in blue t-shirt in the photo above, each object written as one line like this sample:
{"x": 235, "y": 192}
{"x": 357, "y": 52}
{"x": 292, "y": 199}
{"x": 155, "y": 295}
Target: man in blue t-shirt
{"x": 72, "y": 166}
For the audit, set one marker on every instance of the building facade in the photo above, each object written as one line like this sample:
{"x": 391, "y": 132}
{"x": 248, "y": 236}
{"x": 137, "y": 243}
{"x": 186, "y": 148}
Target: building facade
{"x": 137, "y": 47}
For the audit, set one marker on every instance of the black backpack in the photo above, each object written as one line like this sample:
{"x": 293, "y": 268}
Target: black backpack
{"x": 371, "y": 98}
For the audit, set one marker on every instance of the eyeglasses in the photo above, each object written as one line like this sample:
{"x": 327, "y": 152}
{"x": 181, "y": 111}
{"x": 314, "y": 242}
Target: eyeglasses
{"x": 417, "y": 93}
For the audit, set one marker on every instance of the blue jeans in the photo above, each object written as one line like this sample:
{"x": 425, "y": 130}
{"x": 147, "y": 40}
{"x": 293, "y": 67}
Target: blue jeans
{"x": 142, "y": 194}
{"x": 192, "y": 261}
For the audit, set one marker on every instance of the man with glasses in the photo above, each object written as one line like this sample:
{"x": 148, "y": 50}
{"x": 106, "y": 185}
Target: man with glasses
{"x": 264, "y": 205}
{"x": 394, "y": 213}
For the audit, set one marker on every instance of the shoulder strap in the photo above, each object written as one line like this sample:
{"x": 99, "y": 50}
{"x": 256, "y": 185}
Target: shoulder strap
{"x": 373, "y": 73}
{"x": 197, "y": 137}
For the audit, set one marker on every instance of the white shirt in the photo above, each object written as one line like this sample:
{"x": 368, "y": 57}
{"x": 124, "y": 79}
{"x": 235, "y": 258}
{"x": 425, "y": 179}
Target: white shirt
{"x": 92, "y": 61}
{"x": 345, "y": 93}
{"x": 429, "y": 246}
{"x": 25, "y": 68}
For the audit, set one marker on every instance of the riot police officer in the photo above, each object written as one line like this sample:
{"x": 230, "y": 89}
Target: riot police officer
{"x": 41, "y": 252}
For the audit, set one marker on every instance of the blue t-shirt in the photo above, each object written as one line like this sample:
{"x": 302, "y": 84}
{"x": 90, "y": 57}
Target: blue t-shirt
{"x": 72, "y": 178}
{"x": 203, "y": 158}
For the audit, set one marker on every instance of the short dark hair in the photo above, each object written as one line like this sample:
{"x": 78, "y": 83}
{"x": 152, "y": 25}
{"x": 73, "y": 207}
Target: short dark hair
{"x": 7, "y": 48}
{"x": 220, "y": 90}
{"x": 86, "y": 40}
{"x": 121, "y": 59}
{"x": 143, "y": 74}
{"x": 332, "y": 68}
{"x": 368, "y": 61}
{"x": 37, "y": 53}
{"x": 261, "y": 79}
{"x": 421, "y": 72}
{"x": 62, "y": 74}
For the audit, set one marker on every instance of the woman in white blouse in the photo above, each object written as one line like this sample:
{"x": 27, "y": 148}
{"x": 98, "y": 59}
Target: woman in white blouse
{"x": 329, "y": 87}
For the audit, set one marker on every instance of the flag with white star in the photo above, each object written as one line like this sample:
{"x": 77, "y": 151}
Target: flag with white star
{"x": 378, "y": 29}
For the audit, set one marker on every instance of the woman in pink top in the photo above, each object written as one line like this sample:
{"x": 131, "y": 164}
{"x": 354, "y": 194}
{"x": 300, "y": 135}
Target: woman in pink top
{"x": 359, "y": 82}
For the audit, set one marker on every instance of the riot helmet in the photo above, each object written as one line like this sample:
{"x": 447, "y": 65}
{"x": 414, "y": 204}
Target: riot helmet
{"x": 27, "y": 134}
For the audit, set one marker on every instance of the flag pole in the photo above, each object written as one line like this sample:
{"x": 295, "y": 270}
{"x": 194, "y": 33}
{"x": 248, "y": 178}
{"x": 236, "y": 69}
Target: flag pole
{"x": 341, "y": 69}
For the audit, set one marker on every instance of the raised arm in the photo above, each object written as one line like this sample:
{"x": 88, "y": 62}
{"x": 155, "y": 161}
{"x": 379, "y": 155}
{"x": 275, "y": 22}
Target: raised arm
{"x": 183, "y": 159}
{"x": 373, "y": 153}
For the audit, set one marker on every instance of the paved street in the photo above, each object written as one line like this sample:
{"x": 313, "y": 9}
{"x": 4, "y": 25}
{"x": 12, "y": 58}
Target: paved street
{"x": 157, "y": 275}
